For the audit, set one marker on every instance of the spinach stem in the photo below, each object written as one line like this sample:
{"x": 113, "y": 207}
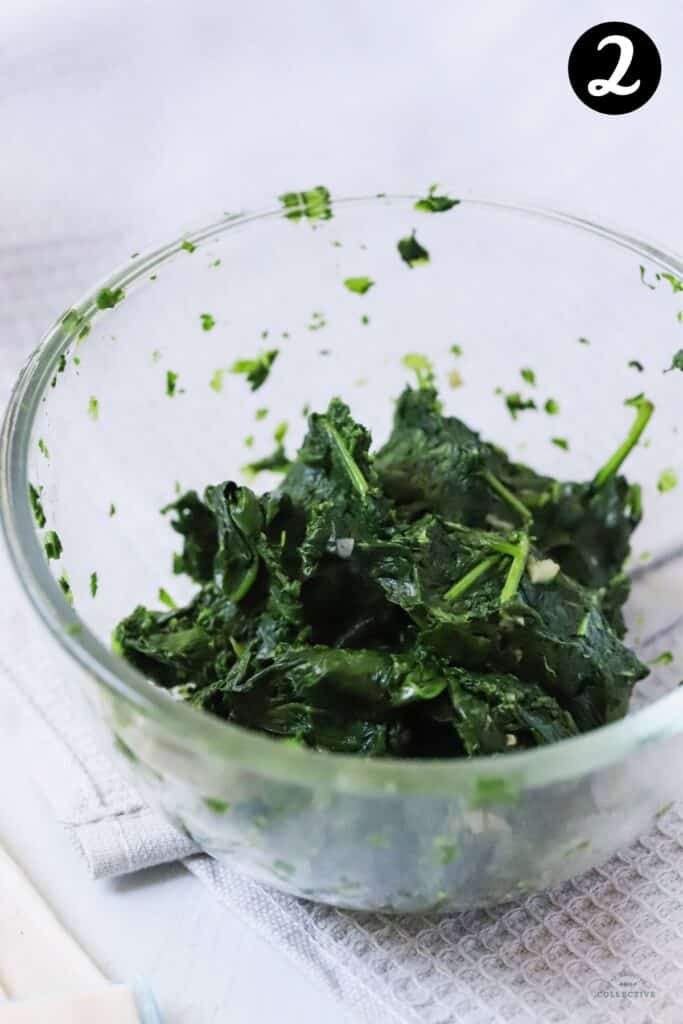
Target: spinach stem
{"x": 508, "y": 497}
{"x": 466, "y": 581}
{"x": 516, "y": 571}
{"x": 349, "y": 463}
{"x": 644, "y": 410}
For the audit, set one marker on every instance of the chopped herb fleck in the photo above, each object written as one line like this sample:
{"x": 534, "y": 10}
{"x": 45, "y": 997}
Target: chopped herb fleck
{"x": 359, "y": 285}
{"x": 665, "y": 658}
{"x": 456, "y": 350}
{"x": 432, "y": 203}
{"x": 66, "y": 588}
{"x": 256, "y": 370}
{"x": 584, "y": 341}
{"x": 667, "y": 481}
{"x": 43, "y": 448}
{"x": 365, "y": 319}
{"x": 110, "y": 297}
{"x": 276, "y": 462}
{"x": 454, "y": 379}
{"x": 560, "y": 442}
{"x": 156, "y": 355}
{"x": 216, "y": 805}
{"x": 171, "y": 383}
{"x": 112, "y": 510}
{"x": 208, "y": 322}
{"x": 53, "y": 546}
{"x": 94, "y": 584}
{"x": 216, "y": 263}
{"x": 166, "y": 598}
{"x": 249, "y": 441}
{"x": 552, "y": 407}
{"x": 528, "y": 375}
{"x": 411, "y": 252}
{"x": 34, "y": 495}
{"x": 188, "y": 246}
{"x": 517, "y": 404}
{"x": 421, "y": 366}
{"x": 675, "y": 282}
{"x": 261, "y": 413}
{"x": 314, "y": 203}
{"x": 216, "y": 381}
{"x": 280, "y": 432}
{"x": 94, "y": 408}
{"x": 642, "y": 278}
{"x": 635, "y": 364}
{"x": 676, "y": 362}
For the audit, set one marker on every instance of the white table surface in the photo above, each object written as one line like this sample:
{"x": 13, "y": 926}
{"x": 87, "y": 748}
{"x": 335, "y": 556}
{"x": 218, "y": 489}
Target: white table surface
{"x": 126, "y": 121}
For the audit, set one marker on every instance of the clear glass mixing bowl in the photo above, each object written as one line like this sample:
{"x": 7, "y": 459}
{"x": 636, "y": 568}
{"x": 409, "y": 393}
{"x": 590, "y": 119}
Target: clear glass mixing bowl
{"x": 91, "y": 425}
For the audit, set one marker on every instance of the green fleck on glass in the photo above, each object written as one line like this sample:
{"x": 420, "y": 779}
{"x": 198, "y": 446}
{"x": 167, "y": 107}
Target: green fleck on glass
{"x": 584, "y": 341}
{"x": 552, "y": 407}
{"x": 359, "y": 285}
{"x": 171, "y": 383}
{"x": 665, "y": 658}
{"x": 261, "y": 413}
{"x": 492, "y": 790}
{"x": 208, "y": 322}
{"x": 675, "y": 282}
{"x": 314, "y": 204}
{"x": 676, "y": 362}
{"x": 42, "y": 448}
{"x": 256, "y": 370}
{"x": 421, "y": 367}
{"x": 36, "y": 504}
{"x": 188, "y": 246}
{"x": 94, "y": 584}
{"x": 216, "y": 382}
{"x": 432, "y": 203}
{"x": 53, "y": 546}
{"x": 217, "y": 805}
{"x": 647, "y": 284}
{"x": 112, "y": 510}
{"x": 411, "y": 252}
{"x": 166, "y": 598}
{"x": 560, "y": 442}
{"x": 110, "y": 297}
{"x": 516, "y": 404}
{"x": 528, "y": 375}
{"x": 65, "y": 587}
{"x": 635, "y": 364}
{"x": 667, "y": 481}
{"x": 280, "y": 432}
{"x": 94, "y": 409}
{"x": 456, "y": 350}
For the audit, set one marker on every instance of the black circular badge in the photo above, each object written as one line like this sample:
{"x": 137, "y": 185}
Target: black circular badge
{"x": 614, "y": 67}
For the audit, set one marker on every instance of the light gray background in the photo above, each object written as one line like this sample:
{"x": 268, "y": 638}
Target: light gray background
{"x": 122, "y": 122}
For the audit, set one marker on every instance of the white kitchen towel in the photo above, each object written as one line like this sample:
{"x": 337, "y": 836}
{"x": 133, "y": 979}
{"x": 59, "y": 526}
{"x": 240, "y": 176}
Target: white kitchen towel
{"x": 606, "y": 946}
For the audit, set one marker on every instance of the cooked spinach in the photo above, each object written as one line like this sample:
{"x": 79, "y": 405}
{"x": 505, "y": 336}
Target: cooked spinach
{"x": 431, "y": 599}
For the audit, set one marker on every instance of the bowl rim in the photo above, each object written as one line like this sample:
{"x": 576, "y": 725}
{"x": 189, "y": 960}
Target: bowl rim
{"x": 197, "y": 732}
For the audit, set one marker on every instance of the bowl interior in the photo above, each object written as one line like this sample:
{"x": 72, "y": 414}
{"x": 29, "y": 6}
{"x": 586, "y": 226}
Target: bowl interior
{"x": 145, "y": 403}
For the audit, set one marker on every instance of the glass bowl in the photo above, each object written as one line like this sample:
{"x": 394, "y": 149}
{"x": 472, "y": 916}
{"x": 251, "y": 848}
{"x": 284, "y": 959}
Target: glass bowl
{"x": 126, "y": 401}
